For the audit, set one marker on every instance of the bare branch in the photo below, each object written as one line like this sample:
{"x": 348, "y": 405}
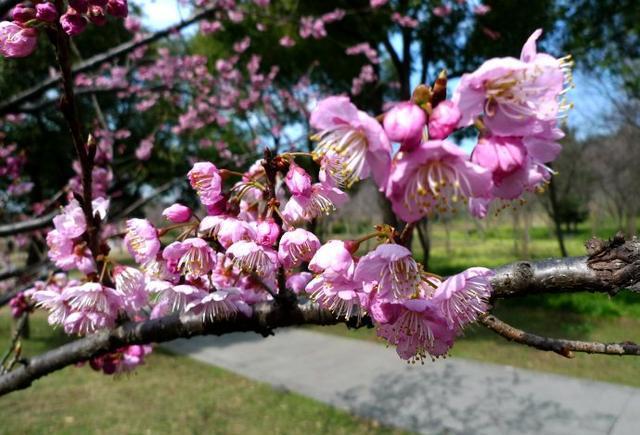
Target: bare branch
{"x": 26, "y": 226}
{"x": 558, "y": 345}
{"x": 13, "y": 103}
{"x": 266, "y": 317}
{"x": 21, "y": 271}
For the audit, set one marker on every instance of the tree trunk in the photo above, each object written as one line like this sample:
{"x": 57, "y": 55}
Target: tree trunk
{"x": 556, "y": 218}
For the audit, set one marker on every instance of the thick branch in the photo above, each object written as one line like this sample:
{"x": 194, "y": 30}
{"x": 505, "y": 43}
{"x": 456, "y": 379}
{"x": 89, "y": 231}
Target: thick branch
{"x": 26, "y": 226}
{"x": 22, "y": 271}
{"x": 558, "y": 345}
{"x": 266, "y": 316}
{"x": 13, "y": 103}
{"x": 611, "y": 266}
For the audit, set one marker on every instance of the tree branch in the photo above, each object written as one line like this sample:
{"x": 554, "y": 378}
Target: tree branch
{"x": 266, "y": 317}
{"x": 13, "y": 103}
{"x": 558, "y": 345}
{"x": 610, "y": 266}
{"x": 26, "y": 226}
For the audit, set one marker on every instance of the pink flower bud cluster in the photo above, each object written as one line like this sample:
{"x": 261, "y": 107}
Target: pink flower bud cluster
{"x": 19, "y": 38}
{"x": 81, "y": 12}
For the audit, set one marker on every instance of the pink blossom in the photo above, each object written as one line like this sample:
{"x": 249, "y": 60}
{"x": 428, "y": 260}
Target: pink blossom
{"x": 197, "y": 258}
{"x": 73, "y": 23}
{"x": 443, "y": 120}
{"x": 142, "y": 240}
{"x": 93, "y": 296}
{"x": 297, "y": 180}
{"x": 267, "y": 232}
{"x": 297, "y": 246}
{"x": 16, "y": 41}
{"x": 518, "y": 96}
{"x": 418, "y": 330}
{"x": 46, "y": 12}
{"x": 205, "y": 179}
{"x": 404, "y": 20}
{"x": 405, "y": 123}
{"x": 19, "y": 305}
{"x": 227, "y": 230}
{"x": 143, "y": 152}
{"x": 253, "y": 258}
{"x": 122, "y": 360}
{"x": 68, "y": 256}
{"x": 287, "y": 41}
{"x": 338, "y": 293}
{"x": 220, "y": 304}
{"x": 86, "y": 322}
{"x": 298, "y": 281}
{"x": 358, "y": 139}
{"x": 131, "y": 286}
{"x": 177, "y": 213}
{"x": 334, "y": 257}
{"x": 176, "y": 298}
{"x": 393, "y": 269}
{"x": 71, "y": 223}
{"x": 442, "y": 11}
{"x": 322, "y": 199}
{"x": 378, "y": 3}
{"x": 462, "y": 297}
{"x": 481, "y": 9}
{"x": 434, "y": 177}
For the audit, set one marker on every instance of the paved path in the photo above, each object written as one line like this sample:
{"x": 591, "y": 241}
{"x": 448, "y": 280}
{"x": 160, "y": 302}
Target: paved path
{"x": 451, "y": 396}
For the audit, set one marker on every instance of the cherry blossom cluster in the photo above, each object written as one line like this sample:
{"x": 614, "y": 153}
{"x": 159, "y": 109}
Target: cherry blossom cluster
{"x": 19, "y": 38}
{"x": 249, "y": 240}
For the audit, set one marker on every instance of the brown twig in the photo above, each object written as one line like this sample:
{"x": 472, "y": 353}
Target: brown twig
{"x": 14, "y": 343}
{"x": 558, "y": 345}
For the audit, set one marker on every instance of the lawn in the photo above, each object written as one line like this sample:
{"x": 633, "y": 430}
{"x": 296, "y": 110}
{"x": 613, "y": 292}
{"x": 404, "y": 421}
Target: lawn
{"x": 170, "y": 394}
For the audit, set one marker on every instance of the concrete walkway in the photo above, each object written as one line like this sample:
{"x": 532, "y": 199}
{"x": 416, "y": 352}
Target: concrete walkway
{"x": 451, "y": 396}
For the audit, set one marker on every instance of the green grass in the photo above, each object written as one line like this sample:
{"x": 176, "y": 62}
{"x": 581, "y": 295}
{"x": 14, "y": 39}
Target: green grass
{"x": 169, "y": 394}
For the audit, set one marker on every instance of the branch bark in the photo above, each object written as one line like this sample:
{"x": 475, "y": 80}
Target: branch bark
{"x": 26, "y": 226}
{"x": 610, "y": 266}
{"x": 13, "y": 103}
{"x": 266, "y": 317}
{"x": 558, "y": 345}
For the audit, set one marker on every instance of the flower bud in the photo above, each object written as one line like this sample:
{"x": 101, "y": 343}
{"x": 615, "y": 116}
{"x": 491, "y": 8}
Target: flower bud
{"x": 73, "y": 24}
{"x": 297, "y": 180}
{"x": 118, "y": 8}
{"x": 405, "y": 123}
{"x": 444, "y": 120}
{"x": 267, "y": 232}
{"x": 177, "y": 213}
{"x": 46, "y": 12}
{"x": 21, "y": 14}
